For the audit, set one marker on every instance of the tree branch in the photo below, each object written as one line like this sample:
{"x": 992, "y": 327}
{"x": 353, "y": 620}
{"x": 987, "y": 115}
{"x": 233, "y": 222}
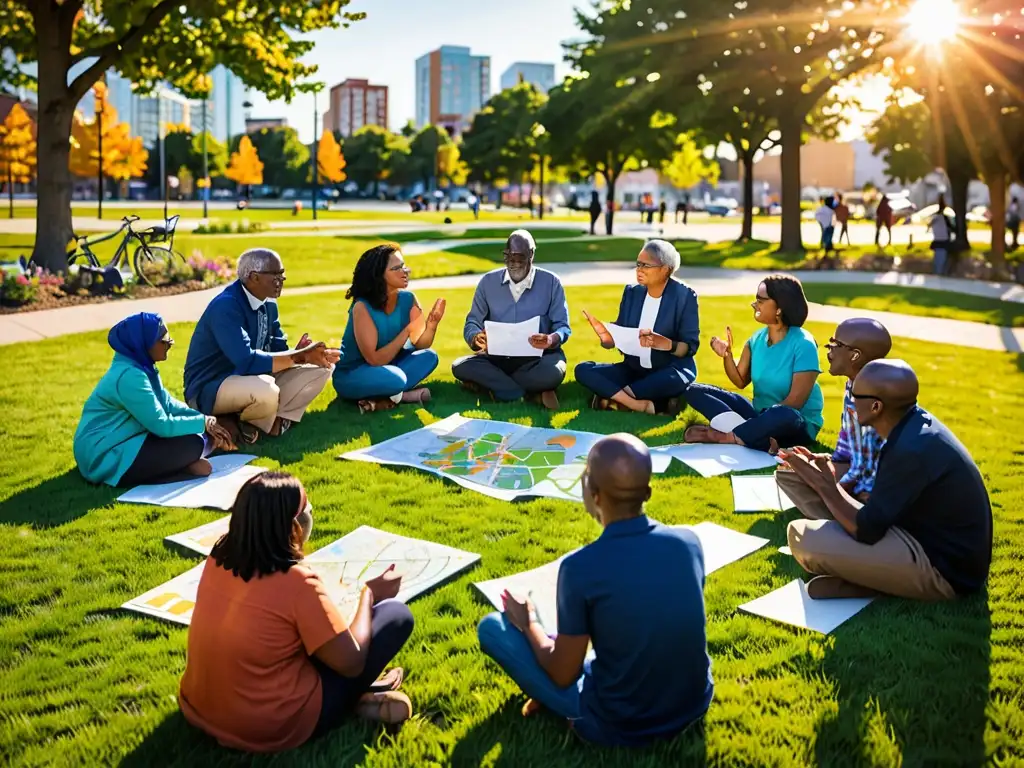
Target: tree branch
{"x": 111, "y": 52}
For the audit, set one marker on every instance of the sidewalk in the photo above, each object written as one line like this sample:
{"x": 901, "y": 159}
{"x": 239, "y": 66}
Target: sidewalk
{"x": 34, "y": 326}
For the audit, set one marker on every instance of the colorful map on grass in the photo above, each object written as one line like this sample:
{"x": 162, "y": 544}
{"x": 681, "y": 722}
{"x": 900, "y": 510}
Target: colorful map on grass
{"x": 503, "y": 460}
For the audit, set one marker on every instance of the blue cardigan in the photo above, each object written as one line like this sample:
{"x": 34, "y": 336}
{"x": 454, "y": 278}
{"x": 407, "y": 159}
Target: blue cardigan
{"x": 122, "y": 410}
{"x": 677, "y": 320}
{"x": 493, "y": 301}
{"x": 228, "y": 341}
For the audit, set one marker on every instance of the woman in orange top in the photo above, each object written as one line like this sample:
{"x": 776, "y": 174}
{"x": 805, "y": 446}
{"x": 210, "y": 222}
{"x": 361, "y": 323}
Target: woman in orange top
{"x": 271, "y": 662}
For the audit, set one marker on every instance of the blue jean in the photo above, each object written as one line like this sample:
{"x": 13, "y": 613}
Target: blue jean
{"x": 783, "y": 423}
{"x": 405, "y": 372}
{"x": 941, "y": 257}
{"x": 826, "y": 237}
{"x": 605, "y": 379}
{"x": 512, "y": 652}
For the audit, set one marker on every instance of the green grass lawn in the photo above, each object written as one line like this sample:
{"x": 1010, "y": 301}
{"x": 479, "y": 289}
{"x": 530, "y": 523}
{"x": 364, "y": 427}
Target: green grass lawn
{"x": 84, "y": 683}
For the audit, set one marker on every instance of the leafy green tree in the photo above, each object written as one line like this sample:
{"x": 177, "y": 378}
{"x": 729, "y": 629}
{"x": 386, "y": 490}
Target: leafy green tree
{"x": 400, "y": 169}
{"x": 147, "y": 41}
{"x": 285, "y": 158}
{"x": 502, "y": 142}
{"x": 367, "y": 152}
{"x": 216, "y": 155}
{"x": 904, "y": 134}
{"x": 424, "y": 149}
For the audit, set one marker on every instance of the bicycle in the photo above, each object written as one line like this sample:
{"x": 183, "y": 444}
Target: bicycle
{"x": 146, "y": 261}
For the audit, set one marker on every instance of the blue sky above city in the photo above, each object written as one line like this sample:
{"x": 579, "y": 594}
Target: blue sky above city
{"x": 383, "y": 48}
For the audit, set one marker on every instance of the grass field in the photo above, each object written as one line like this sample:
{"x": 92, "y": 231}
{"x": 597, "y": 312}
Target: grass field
{"x": 901, "y": 684}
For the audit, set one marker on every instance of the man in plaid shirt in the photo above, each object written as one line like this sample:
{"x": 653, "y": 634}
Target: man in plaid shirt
{"x": 855, "y": 343}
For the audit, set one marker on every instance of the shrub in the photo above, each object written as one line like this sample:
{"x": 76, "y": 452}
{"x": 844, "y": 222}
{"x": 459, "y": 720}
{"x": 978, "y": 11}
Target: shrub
{"x": 218, "y": 227}
{"x": 23, "y": 287}
{"x": 197, "y": 268}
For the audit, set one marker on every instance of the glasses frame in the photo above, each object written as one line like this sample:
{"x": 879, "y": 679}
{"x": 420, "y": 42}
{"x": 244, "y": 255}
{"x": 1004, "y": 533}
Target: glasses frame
{"x": 645, "y": 266}
{"x": 834, "y": 343}
{"x": 401, "y": 268}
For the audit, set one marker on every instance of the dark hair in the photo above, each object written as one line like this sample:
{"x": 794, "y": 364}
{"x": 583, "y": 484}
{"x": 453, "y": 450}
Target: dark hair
{"x": 788, "y": 294}
{"x": 261, "y": 538}
{"x": 368, "y": 276}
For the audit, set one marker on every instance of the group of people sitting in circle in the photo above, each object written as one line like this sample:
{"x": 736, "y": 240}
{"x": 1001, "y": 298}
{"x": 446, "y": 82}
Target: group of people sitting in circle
{"x": 898, "y": 508}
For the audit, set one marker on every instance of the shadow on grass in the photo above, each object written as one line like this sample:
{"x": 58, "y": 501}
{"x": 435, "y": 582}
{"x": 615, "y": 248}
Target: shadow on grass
{"x": 911, "y": 673}
{"x": 506, "y": 739}
{"x": 56, "y": 501}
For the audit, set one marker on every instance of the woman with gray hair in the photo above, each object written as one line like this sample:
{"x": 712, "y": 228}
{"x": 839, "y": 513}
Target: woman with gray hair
{"x": 663, "y": 313}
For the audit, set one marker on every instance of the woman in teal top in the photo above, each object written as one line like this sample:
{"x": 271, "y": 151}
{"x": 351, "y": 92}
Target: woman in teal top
{"x": 781, "y": 361}
{"x": 132, "y": 431}
{"x": 385, "y": 352}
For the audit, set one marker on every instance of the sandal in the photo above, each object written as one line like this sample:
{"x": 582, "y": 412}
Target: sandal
{"x": 697, "y": 433}
{"x": 389, "y": 681}
{"x": 420, "y": 395}
{"x": 247, "y": 433}
{"x": 370, "y": 406}
{"x": 390, "y": 707}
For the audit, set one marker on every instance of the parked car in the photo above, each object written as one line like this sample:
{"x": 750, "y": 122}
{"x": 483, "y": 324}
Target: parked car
{"x": 722, "y": 206}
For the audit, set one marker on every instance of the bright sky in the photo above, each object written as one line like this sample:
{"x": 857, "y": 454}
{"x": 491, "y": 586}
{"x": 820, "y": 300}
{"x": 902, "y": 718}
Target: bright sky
{"x": 383, "y": 48}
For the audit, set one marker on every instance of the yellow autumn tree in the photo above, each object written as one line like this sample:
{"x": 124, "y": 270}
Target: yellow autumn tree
{"x": 329, "y": 159}
{"x": 245, "y": 166}
{"x": 127, "y": 160}
{"x": 450, "y": 165}
{"x": 17, "y": 151}
{"x": 124, "y": 156}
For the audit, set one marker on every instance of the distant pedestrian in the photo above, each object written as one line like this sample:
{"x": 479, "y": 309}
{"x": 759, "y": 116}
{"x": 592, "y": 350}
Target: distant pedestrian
{"x": 680, "y": 208}
{"x": 595, "y": 210}
{"x": 662, "y": 208}
{"x": 686, "y": 208}
{"x": 1013, "y": 223}
{"x": 826, "y": 220}
{"x": 883, "y": 218}
{"x": 474, "y": 205}
{"x": 942, "y": 235}
{"x": 843, "y": 219}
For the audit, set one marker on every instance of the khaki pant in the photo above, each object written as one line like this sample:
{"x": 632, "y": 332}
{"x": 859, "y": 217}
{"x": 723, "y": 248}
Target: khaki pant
{"x": 261, "y": 399}
{"x": 805, "y": 498}
{"x": 895, "y": 565}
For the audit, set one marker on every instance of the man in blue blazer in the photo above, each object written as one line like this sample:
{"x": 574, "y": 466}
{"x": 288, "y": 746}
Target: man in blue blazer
{"x": 239, "y": 362}
{"x": 664, "y": 314}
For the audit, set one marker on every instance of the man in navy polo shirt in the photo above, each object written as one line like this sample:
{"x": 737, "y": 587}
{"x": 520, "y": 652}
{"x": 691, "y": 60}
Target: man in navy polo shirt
{"x": 637, "y": 594}
{"x": 926, "y": 531}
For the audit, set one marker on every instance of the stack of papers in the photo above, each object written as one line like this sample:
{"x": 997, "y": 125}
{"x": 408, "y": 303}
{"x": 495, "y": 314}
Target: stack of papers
{"x": 512, "y": 339}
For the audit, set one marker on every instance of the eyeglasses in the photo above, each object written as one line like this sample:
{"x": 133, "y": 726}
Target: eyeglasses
{"x": 400, "y": 268}
{"x": 833, "y": 343}
{"x": 514, "y": 256}
{"x": 855, "y": 396}
{"x": 645, "y": 265}
{"x": 277, "y": 276}
{"x": 167, "y": 340}
{"x": 759, "y": 299}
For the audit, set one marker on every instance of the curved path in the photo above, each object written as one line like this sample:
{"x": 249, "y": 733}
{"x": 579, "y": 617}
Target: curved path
{"x": 34, "y": 326}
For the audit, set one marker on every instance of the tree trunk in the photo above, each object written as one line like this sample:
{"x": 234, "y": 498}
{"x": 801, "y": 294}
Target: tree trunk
{"x": 609, "y": 213}
{"x": 10, "y": 192}
{"x": 747, "y": 232}
{"x": 56, "y": 107}
{"x": 997, "y": 183}
{"x": 791, "y": 128}
{"x": 958, "y": 183}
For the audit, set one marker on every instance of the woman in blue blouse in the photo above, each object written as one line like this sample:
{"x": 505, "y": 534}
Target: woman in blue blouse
{"x": 132, "y": 431}
{"x": 781, "y": 361}
{"x": 385, "y": 352}
{"x": 664, "y": 312}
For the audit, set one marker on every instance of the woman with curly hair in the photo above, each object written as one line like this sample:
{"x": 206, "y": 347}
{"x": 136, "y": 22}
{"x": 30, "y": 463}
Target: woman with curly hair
{"x": 385, "y": 352}
{"x": 781, "y": 361}
{"x": 271, "y": 662}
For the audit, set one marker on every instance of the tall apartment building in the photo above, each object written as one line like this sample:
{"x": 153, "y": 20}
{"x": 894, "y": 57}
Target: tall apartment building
{"x": 540, "y": 75}
{"x": 354, "y": 104}
{"x": 452, "y": 85}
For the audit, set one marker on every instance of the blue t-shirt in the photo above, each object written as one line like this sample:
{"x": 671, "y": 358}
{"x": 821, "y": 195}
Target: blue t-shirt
{"x": 388, "y": 326}
{"x": 638, "y": 593}
{"x": 772, "y": 368}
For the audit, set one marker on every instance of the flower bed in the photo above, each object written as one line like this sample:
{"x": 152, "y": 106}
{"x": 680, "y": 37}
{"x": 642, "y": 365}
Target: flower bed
{"x": 38, "y": 290}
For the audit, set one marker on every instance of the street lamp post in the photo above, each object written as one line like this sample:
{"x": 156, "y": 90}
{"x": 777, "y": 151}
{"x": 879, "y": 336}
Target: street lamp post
{"x": 162, "y": 139}
{"x": 539, "y": 132}
{"x": 99, "y": 153}
{"x": 316, "y": 164}
{"x": 206, "y": 167}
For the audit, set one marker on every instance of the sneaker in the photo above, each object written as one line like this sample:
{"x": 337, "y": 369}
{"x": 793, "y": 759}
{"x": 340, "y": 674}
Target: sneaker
{"x": 389, "y": 707}
{"x": 835, "y": 588}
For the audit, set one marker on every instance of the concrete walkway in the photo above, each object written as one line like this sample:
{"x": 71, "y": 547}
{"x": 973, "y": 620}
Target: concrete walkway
{"x": 34, "y": 326}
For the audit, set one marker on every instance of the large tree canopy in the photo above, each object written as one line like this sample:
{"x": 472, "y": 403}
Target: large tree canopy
{"x": 147, "y": 41}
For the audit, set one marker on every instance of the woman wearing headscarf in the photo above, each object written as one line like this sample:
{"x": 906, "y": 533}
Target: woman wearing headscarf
{"x": 132, "y": 431}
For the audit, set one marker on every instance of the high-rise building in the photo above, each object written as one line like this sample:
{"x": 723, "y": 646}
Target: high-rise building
{"x": 540, "y": 75}
{"x": 354, "y": 104}
{"x": 452, "y": 85}
{"x": 227, "y": 98}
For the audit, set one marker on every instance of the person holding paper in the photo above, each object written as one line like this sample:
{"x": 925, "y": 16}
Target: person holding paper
{"x": 781, "y": 361}
{"x": 926, "y": 531}
{"x": 132, "y": 431}
{"x": 271, "y": 662}
{"x": 637, "y": 594}
{"x": 856, "y": 343}
{"x": 658, "y": 332}
{"x": 385, "y": 353}
{"x": 239, "y": 364}
{"x": 518, "y": 293}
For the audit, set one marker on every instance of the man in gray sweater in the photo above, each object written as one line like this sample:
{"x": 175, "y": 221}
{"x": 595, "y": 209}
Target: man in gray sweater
{"x": 520, "y": 291}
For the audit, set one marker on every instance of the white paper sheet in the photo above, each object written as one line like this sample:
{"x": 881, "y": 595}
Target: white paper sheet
{"x": 758, "y": 493}
{"x": 512, "y": 339}
{"x": 709, "y": 459}
{"x": 721, "y": 546}
{"x": 727, "y": 422}
{"x": 230, "y": 472}
{"x": 791, "y": 605}
{"x": 201, "y": 538}
{"x": 627, "y": 341}
{"x": 344, "y": 566}
{"x": 501, "y": 460}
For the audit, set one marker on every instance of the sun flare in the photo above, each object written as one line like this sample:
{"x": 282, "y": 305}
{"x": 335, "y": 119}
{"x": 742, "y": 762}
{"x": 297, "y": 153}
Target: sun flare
{"x": 931, "y": 22}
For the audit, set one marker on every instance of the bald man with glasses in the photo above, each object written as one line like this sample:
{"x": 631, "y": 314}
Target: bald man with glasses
{"x": 517, "y": 292}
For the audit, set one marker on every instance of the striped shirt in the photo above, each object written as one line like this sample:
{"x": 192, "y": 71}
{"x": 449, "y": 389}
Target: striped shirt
{"x": 858, "y": 445}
